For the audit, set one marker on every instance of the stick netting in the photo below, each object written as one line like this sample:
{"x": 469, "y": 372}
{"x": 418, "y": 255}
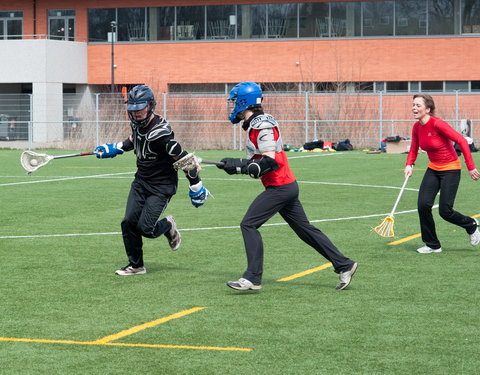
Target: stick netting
{"x": 31, "y": 161}
{"x": 385, "y": 228}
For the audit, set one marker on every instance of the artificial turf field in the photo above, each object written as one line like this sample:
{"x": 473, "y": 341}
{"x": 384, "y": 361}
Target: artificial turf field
{"x": 63, "y": 311}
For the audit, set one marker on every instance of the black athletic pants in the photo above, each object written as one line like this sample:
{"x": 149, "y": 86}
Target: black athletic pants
{"x": 284, "y": 200}
{"x": 145, "y": 205}
{"x": 447, "y": 183}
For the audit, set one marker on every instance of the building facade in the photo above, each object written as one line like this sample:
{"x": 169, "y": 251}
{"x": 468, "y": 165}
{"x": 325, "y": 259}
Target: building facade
{"x": 51, "y": 48}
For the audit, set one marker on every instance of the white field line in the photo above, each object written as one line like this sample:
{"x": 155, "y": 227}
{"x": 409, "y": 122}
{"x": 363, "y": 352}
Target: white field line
{"x": 215, "y": 179}
{"x": 65, "y": 179}
{"x": 209, "y": 228}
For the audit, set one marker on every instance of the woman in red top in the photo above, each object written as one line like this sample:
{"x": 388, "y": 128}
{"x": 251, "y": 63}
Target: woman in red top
{"x": 267, "y": 160}
{"x": 435, "y": 136}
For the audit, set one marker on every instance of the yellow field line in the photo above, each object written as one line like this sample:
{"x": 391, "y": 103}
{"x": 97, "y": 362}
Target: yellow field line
{"x": 141, "y": 327}
{"x": 125, "y": 344}
{"x": 105, "y": 341}
{"x": 402, "y": 240}
{"x": 307, "y": 272}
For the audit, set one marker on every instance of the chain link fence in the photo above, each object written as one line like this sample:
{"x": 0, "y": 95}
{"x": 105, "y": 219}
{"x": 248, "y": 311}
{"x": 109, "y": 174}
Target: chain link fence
{"x": 200, "y": 120}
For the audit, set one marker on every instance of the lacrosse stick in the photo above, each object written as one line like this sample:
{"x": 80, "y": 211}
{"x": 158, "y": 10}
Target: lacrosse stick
{"x": 31, "y": 161}
{"x": 385, "y": 228}
{"x": 191, "y": 161}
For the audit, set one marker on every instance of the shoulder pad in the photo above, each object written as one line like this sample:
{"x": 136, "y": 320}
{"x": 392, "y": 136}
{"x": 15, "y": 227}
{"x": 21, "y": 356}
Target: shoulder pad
{"x": 159, "y": 130}
{"x": 264, "y": 121}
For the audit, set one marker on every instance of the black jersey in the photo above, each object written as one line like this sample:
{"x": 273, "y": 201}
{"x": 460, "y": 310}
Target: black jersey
{"x": 154, "y": 163}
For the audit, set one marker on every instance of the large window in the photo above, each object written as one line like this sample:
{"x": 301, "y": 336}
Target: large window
{"x": 221, "y": 21}
{"x": 314, "y": 20}
{"x": 378, "y": 18}
{"x": 131, "y": 24}
{"x": 282, "y": 21}
{"x": 441, "y": 17}
{"x": 99, "y": 24}
{"x": 61, "y": 24}
{"x": 471, "y": 16}
{"x": 11, "y": 24}
{"x": 334, "y": 19}
{"x": 161, "y": 23}
{"x": 190, "y": 23}
{"x": 410, "y": 17}
{"x": 345, "y": 19}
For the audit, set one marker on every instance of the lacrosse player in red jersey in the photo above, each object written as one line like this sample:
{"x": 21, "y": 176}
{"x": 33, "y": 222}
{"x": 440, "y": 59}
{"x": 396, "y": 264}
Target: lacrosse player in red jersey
{"x": 155, "y": 181}
{"x": 435, "y": 137}
{"x": 267, "y": 160}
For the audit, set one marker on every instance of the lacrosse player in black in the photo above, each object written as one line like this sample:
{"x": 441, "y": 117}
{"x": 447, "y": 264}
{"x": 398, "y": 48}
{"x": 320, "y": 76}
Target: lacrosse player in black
{"x": 155, "y": 181}
{"x": 267, "y": 160}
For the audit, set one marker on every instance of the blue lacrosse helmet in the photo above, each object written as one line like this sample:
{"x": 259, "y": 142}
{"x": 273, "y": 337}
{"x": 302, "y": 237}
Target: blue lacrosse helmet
{"x": 138, "y": 98}
{"x": 243, "y": 96}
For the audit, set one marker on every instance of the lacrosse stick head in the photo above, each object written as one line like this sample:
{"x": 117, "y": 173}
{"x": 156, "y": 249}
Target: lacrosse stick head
{"x": 385, "y": 228}
{"x": 188, "y": 162}
{"x": 31, "y": 161}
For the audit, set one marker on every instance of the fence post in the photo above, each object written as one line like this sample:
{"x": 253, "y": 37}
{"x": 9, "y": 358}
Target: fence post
{"x": 30, "y": 135}
{"x": 30, "y": 124}
{"x": 306, "y": 116}
{"x": 381, "y": 116}
{"x": 97, "y": 125}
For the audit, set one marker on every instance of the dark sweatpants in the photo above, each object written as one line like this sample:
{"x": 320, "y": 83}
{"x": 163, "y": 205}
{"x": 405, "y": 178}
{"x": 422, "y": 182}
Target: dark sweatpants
{"x": 447, "y": 183}
{"x": 283, "y": 199}
{"x": 145, "y": 205}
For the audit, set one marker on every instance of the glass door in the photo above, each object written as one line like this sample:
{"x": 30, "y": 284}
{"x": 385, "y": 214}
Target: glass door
{"x": 61, "y": 24}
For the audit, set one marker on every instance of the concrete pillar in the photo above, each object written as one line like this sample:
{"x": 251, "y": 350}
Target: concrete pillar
{"x": 47, "y": 112}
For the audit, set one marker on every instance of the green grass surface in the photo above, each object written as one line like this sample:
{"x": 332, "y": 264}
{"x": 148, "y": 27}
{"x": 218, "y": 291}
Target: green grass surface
{"x": 404, "y": 313}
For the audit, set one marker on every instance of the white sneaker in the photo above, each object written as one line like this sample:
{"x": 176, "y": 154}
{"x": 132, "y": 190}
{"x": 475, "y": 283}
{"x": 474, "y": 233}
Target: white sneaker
{"x": 129, "y": 270}
{"x": 243, "y": 284}
{"x": 475, "y": 236}
{"x": 346, "y": 277}
{"x": 173, "y": 236}
{"x": 427, "y": 250}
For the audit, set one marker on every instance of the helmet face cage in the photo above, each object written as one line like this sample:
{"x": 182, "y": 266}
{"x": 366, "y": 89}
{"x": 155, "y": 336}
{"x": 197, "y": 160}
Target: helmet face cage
{"x": 140, "y": 97}
{"x": 243, "y": 96}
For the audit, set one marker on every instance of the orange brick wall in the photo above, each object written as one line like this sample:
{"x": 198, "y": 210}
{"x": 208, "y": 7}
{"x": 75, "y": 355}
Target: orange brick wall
{"x": 415, "y": 59}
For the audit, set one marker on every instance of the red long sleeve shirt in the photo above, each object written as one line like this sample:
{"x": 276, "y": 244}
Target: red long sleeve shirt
{"x": 435, "y": 137}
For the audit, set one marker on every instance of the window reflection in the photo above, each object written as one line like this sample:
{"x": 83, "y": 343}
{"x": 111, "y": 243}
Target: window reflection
{"x": 340, "y": 13}
{"x": 99, "y": 24}
{"x": 471, "y": 16}
{"x": 282, "y": 21}
{"x": 440, "y": 17}
{"x": 221, "y": 21}
{"x": 314, "y": 20}
{"x": 190, "y": 23}
{"x": 378, "y": 18}
{"x": 160, "y": 23}
{"x": 411, "y": 17}
{"x": 131, "y": 25}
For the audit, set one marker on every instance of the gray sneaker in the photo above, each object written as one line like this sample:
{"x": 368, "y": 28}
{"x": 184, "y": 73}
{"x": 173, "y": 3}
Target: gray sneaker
{"x": 243, "y": 284}
{"x": 475, "y": 236}
{"x": 346, "y": 277}
{"x": 173, "y": 235}
{"x": 129, "y": 270}
{"x": 427, "y": 250}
